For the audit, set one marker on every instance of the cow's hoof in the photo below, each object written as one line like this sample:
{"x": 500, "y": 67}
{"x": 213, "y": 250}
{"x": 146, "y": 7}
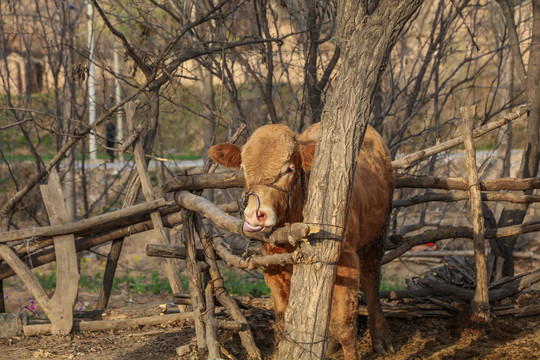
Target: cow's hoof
{"x": 383, "y": 346}
{"x": 332, "y": 347}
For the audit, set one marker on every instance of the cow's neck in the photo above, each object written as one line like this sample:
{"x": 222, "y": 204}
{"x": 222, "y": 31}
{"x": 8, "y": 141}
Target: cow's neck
{"x": 297, "y": 205}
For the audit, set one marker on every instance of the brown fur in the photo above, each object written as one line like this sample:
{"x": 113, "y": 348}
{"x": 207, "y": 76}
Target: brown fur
{"x": 269, "y": 157}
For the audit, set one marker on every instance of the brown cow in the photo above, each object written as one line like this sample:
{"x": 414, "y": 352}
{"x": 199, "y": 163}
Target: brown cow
{"x": 274, "y": 160}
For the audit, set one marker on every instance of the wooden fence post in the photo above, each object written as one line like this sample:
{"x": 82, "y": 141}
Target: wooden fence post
{"x": 195, "y": 282}
{"x": 59, "y": 308}
{"x": 480, "y": 303}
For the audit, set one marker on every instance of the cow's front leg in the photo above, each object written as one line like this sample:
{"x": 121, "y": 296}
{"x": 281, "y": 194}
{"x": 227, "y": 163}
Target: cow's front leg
{"x": 278, "y": 279}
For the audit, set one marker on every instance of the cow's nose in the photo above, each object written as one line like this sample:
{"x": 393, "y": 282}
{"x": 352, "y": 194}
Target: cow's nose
{"x": 261, "y": 215}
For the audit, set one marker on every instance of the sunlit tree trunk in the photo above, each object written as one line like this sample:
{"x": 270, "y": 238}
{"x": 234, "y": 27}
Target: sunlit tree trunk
{"x": 514, "y": 214}
{"x": 365, "y": 41}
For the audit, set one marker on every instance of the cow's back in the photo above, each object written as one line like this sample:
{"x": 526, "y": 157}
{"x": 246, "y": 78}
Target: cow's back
{"x": 372, "y": 188}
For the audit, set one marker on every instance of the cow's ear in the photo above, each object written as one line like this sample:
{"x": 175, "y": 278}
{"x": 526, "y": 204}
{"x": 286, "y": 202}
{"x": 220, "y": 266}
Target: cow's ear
{"x": 306, "y": 153}
{"x": 226, "y": 154}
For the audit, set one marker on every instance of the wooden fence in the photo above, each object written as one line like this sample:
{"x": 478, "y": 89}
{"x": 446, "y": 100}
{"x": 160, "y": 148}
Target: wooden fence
{"x": 23, "y": 250}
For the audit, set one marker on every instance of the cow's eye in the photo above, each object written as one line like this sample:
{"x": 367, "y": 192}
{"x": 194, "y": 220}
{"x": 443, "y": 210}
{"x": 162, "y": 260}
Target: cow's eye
{"x": 290, "y": 170}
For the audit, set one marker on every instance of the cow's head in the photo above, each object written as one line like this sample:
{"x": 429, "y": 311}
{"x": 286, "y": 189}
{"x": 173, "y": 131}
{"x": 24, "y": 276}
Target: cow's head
{"x": 273, "y": 161}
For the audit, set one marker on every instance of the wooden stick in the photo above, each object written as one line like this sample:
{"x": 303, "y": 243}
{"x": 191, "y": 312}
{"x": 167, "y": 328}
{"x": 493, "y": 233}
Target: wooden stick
{"x": 179, "y": 252}
{"x": 221, "y": 294}
{"x": 132, "y": 193}
{"x": 432, "y": 288}
{"x": 451, "y": 232}
{"x": 464, "y": 195}
{"x": 528, "y": 310}
{"x": 432, "y": 235}
{"x": 60, "y": 308}
{"x": 443, "y": 253}
{"x": 26, "y": 276}
{"x": 169, "y": 215}
{"x": 47, "y": 255}
{"x": 224, "y": 180}
{"x": 172, "y": 268}
{"x": 462, "y": 184}
{"x": 131, "y": 139}
{"x": 235, "y": 179}
{"x": 254, "y": 262}
{"x": 223, "y": 251}
{"x": 103, "y": 325}
{"x": 480, "y": 303}
{"x": 95, "y": 223}
{"x": 195, "y": 282}
{"x": 211, "y": 323}
{"x": 410, "y": 159}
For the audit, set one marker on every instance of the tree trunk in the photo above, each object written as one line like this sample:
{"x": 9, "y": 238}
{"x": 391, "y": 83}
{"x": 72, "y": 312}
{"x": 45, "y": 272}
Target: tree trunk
{"x": 515, "y": 213}
{"x": 365, "y": 42}
{"x": 69, "y": 111}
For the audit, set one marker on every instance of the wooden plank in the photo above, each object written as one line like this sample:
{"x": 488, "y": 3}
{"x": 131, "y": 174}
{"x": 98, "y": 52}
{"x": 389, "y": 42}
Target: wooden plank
{"x": 67, "y": 271}
{"x": 59, "y": 308}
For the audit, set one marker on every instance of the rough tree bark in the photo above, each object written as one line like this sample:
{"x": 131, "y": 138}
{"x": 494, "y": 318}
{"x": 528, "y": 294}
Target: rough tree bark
{"x": 365, "y": 41}
{"x": 515, "y": 213}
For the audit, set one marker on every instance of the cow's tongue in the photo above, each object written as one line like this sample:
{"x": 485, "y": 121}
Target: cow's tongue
{"x": 250, "y": 228}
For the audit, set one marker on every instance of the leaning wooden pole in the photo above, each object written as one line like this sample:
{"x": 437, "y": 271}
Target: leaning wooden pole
{"x": 172, "y": 268}
{"x": 480, "y": 303}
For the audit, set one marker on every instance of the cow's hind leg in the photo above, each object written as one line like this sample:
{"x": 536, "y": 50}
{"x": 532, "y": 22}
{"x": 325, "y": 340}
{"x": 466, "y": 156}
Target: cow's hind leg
{"x": 370, "y": 279}
{"x": 345, "y": 304}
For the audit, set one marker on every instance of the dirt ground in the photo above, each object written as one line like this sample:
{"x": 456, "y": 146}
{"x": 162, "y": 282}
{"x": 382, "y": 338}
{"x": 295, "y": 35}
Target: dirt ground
{"x": 506, "y": 337}
{"x": 427, "y": 338}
